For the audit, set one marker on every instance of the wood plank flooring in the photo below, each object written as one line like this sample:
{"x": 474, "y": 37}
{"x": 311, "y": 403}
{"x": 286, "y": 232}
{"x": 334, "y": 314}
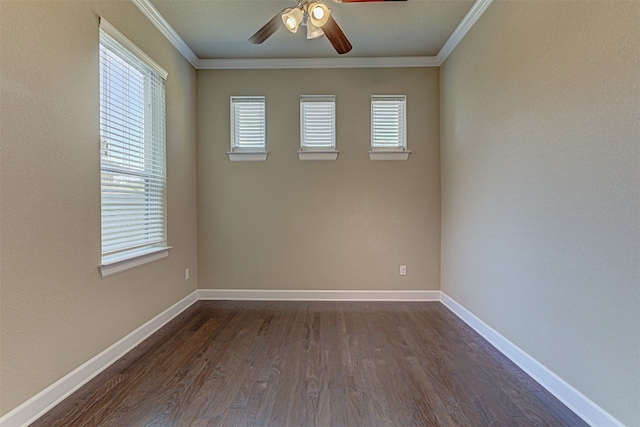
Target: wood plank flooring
{"x": 237, "y": 363}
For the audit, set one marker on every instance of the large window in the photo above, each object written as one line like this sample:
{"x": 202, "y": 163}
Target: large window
{"x": 132, "y": 151}
{"x": 248, "y": 128}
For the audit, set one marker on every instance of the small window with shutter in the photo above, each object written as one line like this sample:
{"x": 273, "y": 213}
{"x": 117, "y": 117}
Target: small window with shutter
{"x": 388, "y": 123}
{"x": 248, "y": 123}
{"x": 248, "y": 128}
{"x": 388, "y": 128}
{"x": 318, "y": 127}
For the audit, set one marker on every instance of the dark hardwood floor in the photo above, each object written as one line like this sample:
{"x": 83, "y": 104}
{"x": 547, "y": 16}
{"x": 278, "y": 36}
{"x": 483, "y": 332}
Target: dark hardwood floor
{"x": 231, "y": 363}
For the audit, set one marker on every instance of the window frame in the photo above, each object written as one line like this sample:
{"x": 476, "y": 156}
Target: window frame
{"x": 248, "y": 153}
{"x": 144, "y": 161}
{"x": 317, "y": 152}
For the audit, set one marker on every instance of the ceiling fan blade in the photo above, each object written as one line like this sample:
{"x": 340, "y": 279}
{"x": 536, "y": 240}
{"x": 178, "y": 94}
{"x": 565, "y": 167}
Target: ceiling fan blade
{"x": 336, "y": 36}
{"x": 269, "y": 28}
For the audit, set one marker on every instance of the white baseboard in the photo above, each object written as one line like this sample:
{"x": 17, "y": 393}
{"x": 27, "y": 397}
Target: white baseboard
{"x": 39, "y": 404}
{"x": 572, "y": 398}
{"x": 42, "y": 402}
{"x": 290, "y": 295}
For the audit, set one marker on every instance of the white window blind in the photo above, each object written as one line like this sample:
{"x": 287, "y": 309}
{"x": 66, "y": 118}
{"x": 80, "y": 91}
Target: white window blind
{"x": 248, "y": 125}
{"x": 388, "y": 122}
{"x": 318, "y": 122}
{"x": 132, "y": 148}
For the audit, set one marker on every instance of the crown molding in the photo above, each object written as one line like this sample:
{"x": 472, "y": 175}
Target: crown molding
{"x": 463, "y": 28}
{"x": 167, "y": 30}
{"x": 174, "y": 38}
{"x": 339, "y": 62}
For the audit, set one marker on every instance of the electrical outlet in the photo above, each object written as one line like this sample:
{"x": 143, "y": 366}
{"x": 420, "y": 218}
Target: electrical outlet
{"x": 186, "y": 274}
{"x": 403, "y": 270}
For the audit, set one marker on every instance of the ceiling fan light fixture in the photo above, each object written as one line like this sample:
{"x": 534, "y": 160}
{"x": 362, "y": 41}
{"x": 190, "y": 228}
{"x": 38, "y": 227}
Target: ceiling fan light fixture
{"x": 318, "y": 14}
{"x": 292, "y": 19}
{"x": 313, "y": 32}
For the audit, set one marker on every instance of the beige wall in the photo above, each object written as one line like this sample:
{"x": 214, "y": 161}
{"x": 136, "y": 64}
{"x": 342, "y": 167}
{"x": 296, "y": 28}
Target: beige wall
{"x": 540, "y": 195}
{"x": 55, "y": 311}
{"x": 344, "y": 224}
{"x": 540, "y": 140}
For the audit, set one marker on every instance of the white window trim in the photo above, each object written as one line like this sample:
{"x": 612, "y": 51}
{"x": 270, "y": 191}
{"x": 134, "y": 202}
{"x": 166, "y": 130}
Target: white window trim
{"x": 129, "y": 259}
{"x": 117, "y": 263}
{"x": 124, "y": 41}
{"x": 389, "y": 153}
{"x": 238, "y": 154}
{"x": 247, "y": 156}
{"x": 317, "y": 155}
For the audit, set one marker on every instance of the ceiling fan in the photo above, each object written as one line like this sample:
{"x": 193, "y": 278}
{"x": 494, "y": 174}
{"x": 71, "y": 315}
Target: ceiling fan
{"x": 315, "y": 16}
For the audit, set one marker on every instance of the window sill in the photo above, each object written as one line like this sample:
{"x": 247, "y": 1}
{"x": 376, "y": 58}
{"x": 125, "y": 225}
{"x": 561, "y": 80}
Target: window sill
{"x": 317, "y": 155}
{"x": 247, "y": 156}
{"x": 389, "y": 155}
{"x": 118, "y": 263}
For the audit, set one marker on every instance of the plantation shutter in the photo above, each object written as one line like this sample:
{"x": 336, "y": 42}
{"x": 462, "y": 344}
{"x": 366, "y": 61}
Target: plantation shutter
{"x": 248, "y": 123}
{"x": 317, "y": 122}
{"x": 388, "y": 122}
